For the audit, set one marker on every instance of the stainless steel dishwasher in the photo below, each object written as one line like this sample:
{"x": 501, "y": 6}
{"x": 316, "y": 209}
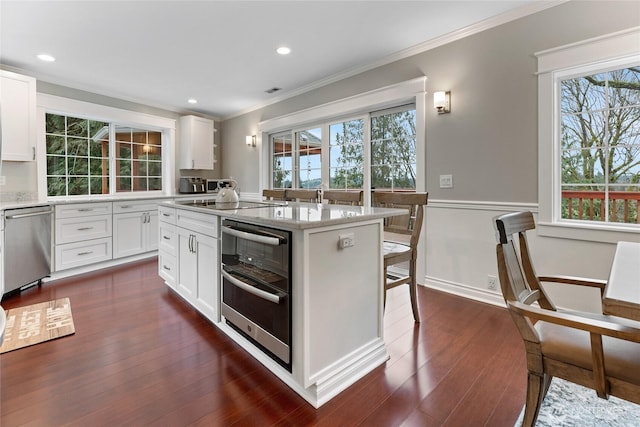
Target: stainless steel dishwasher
{"x": 27, "y": 246}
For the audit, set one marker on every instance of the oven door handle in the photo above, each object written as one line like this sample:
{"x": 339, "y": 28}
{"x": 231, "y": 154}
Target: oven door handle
{"x": 264, "y": 237}
{"x": 274, "y": 298}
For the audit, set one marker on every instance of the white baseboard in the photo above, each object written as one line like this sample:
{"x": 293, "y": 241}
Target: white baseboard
{"x": 459, "y": 289}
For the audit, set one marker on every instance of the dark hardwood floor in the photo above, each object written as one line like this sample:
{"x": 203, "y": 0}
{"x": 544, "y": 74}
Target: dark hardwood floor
{"x": 141, "y": 356}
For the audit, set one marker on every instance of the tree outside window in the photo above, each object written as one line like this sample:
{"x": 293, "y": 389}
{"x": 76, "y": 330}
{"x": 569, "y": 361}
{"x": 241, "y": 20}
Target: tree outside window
{"x": 600, "y": 146}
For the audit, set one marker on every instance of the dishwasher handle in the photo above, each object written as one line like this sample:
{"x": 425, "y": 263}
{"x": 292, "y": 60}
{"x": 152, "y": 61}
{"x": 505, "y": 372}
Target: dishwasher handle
{"x": 27, "y": 215}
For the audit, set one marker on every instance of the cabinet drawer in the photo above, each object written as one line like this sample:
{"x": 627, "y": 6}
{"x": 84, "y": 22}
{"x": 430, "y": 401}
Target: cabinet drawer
{"x": 135, "y": 206}
{"x": 166, "y": 214}
{"x": 82, "y": 253}
{"x": 83, "y": 209}
{"x": 78, "y": 229}
{"x": 167, "y": 268}
{"x": 168, "y": 238}
{"x": 198, "y": 222}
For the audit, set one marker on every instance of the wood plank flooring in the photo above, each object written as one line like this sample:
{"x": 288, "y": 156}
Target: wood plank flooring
{"x": 141, "y": 356}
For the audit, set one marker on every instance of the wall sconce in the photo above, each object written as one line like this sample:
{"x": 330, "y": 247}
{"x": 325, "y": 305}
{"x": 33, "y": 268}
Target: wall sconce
{"x": 250, "y": 140}
{"x": 442, "y": 101}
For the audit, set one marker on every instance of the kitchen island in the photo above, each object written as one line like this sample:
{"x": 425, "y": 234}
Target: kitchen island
{"x": 336, "y": 293}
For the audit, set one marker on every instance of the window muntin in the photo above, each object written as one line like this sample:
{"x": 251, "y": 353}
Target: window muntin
{"x": 79, "y": 152}
{"x": 599, "y": 146}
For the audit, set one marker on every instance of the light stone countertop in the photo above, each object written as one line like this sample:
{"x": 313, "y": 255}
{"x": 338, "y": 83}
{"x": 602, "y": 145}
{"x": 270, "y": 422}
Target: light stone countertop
{"x": 295, "y": 215}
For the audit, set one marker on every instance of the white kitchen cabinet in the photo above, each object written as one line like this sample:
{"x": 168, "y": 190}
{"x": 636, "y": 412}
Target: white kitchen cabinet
{"x": 167, "y": 246}
{"x": 18, "y": 100}
{"x": 135, "y": 228}
{"x": 196, "y": 143}
{"x": 83, "y": 234}
{"x": 198, "y": 258}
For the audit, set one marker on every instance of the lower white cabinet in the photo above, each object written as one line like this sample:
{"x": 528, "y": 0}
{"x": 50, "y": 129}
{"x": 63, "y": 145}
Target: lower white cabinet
{"x": 134, "y": 233}
{"x": 77, "y": 254}
{"x": 198, "y": 258}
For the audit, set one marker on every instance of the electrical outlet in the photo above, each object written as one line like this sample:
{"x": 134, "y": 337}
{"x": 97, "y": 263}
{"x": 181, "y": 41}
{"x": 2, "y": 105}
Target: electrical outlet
{"x": 492, "y": 282}
{"x": 346, "y": 240}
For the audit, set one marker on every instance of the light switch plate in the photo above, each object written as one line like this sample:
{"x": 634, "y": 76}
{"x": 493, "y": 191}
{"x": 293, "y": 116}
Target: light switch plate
{"x": 446, "y": 181}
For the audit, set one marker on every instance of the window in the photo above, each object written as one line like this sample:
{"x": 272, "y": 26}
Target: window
{"x": 392, "y": 148}
{"x": 600, "y": 146}
{"x": 78, "y": 157}
{"x": 589, "y": 139}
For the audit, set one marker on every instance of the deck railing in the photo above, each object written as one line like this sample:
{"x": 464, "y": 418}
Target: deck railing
{"x": 590, "y": 205}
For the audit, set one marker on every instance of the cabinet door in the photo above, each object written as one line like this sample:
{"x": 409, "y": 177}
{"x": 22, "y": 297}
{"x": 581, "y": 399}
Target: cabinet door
{"x": 208, "y": 287}
{"x": 18, "y": 100}
{"x": 128, "y": 234}
{"x": 196, "y": 143}
{"x": 187, "y": 265}
{"x": 151, "y": 230}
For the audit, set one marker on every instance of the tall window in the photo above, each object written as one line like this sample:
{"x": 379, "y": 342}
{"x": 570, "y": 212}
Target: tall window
{"x": 80, "y": 151}
{"x": 600, "y": 146}
{"x": 390, "y": 150}
{"x": 393, "y": 149}
{"x": 346, "y": 155}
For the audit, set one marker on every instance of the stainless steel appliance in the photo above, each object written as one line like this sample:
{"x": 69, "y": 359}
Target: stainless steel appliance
{"x": 192, "y": 185}
{"x": 256, "y": 286}
{"x": 27, "y": 246}
{"x": 214, "y": 185}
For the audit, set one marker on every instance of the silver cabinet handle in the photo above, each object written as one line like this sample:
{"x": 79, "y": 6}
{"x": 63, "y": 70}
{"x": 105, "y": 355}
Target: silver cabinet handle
{"x": 34, "y": 152}
{"x": 166, "y": 268}
{"x": 85, "y": 228}
{"x": 125, "y": 207}
{"x": 166, "y": 237}
{"x": 85, "y": 253}
{"x": 165, "y": 214}
{"x": 85, "y": 209}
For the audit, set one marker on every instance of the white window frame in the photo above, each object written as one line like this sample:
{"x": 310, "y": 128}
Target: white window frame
{"x": 602, "y": 52}
{"x": 71, "y": 107}
{"x": 411, "y": 91}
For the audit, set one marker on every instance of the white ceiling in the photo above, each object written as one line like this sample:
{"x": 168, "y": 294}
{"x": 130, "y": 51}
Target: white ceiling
{"x": 161, "y": 53}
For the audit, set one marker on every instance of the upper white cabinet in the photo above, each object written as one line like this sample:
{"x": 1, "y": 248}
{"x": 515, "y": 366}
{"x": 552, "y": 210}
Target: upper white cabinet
{"x": 18, "y": 100}
{"x": 196, "y": 143}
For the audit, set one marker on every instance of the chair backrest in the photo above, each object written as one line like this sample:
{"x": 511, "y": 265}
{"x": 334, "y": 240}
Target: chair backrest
{"x": 273, "y": 194}
{"x": 302, "y": 195}
{"x": 518, "y": 279}
{"x": 409, "y": 224}
{"x": 342, "y": 197}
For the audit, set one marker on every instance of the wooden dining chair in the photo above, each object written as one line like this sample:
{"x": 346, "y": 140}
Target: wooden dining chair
{"x": 342, "y": 197}
{"x": 302, "y": 195}
{"x": 401, "y": 235}
{"x": 273, "y": 194}
{"x": 594, "y": 350}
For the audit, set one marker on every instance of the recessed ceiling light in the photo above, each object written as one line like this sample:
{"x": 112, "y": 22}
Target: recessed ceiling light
{"x": 45, "y": 57}
{"x": 283, "y": 50}
{"x": 192, "y": 101}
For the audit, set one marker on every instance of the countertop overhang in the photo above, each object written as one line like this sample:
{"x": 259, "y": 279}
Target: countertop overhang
{"x": 297, "y": 215}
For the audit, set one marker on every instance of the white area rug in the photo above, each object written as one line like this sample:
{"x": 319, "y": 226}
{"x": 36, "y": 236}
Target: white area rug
{"x": 571, "y": 405}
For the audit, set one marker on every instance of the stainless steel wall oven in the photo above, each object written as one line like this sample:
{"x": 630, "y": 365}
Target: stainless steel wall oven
{"x": 256, "y": 286}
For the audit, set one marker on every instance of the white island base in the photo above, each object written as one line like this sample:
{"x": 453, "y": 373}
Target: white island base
{"x": 337, "y": 304}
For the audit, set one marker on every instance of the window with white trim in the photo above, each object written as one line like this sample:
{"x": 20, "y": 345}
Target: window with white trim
{"x": 589, "y": 138}
{"x": 79, "y": 153}
{"x": 599, "y": 151}
{"x": 391, "y": 146}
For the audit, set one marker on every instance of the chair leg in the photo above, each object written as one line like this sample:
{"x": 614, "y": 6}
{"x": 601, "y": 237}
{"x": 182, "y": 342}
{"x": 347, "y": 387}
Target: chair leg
{"x": 536, "y": 389}
{"x": 413, "y": 291}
